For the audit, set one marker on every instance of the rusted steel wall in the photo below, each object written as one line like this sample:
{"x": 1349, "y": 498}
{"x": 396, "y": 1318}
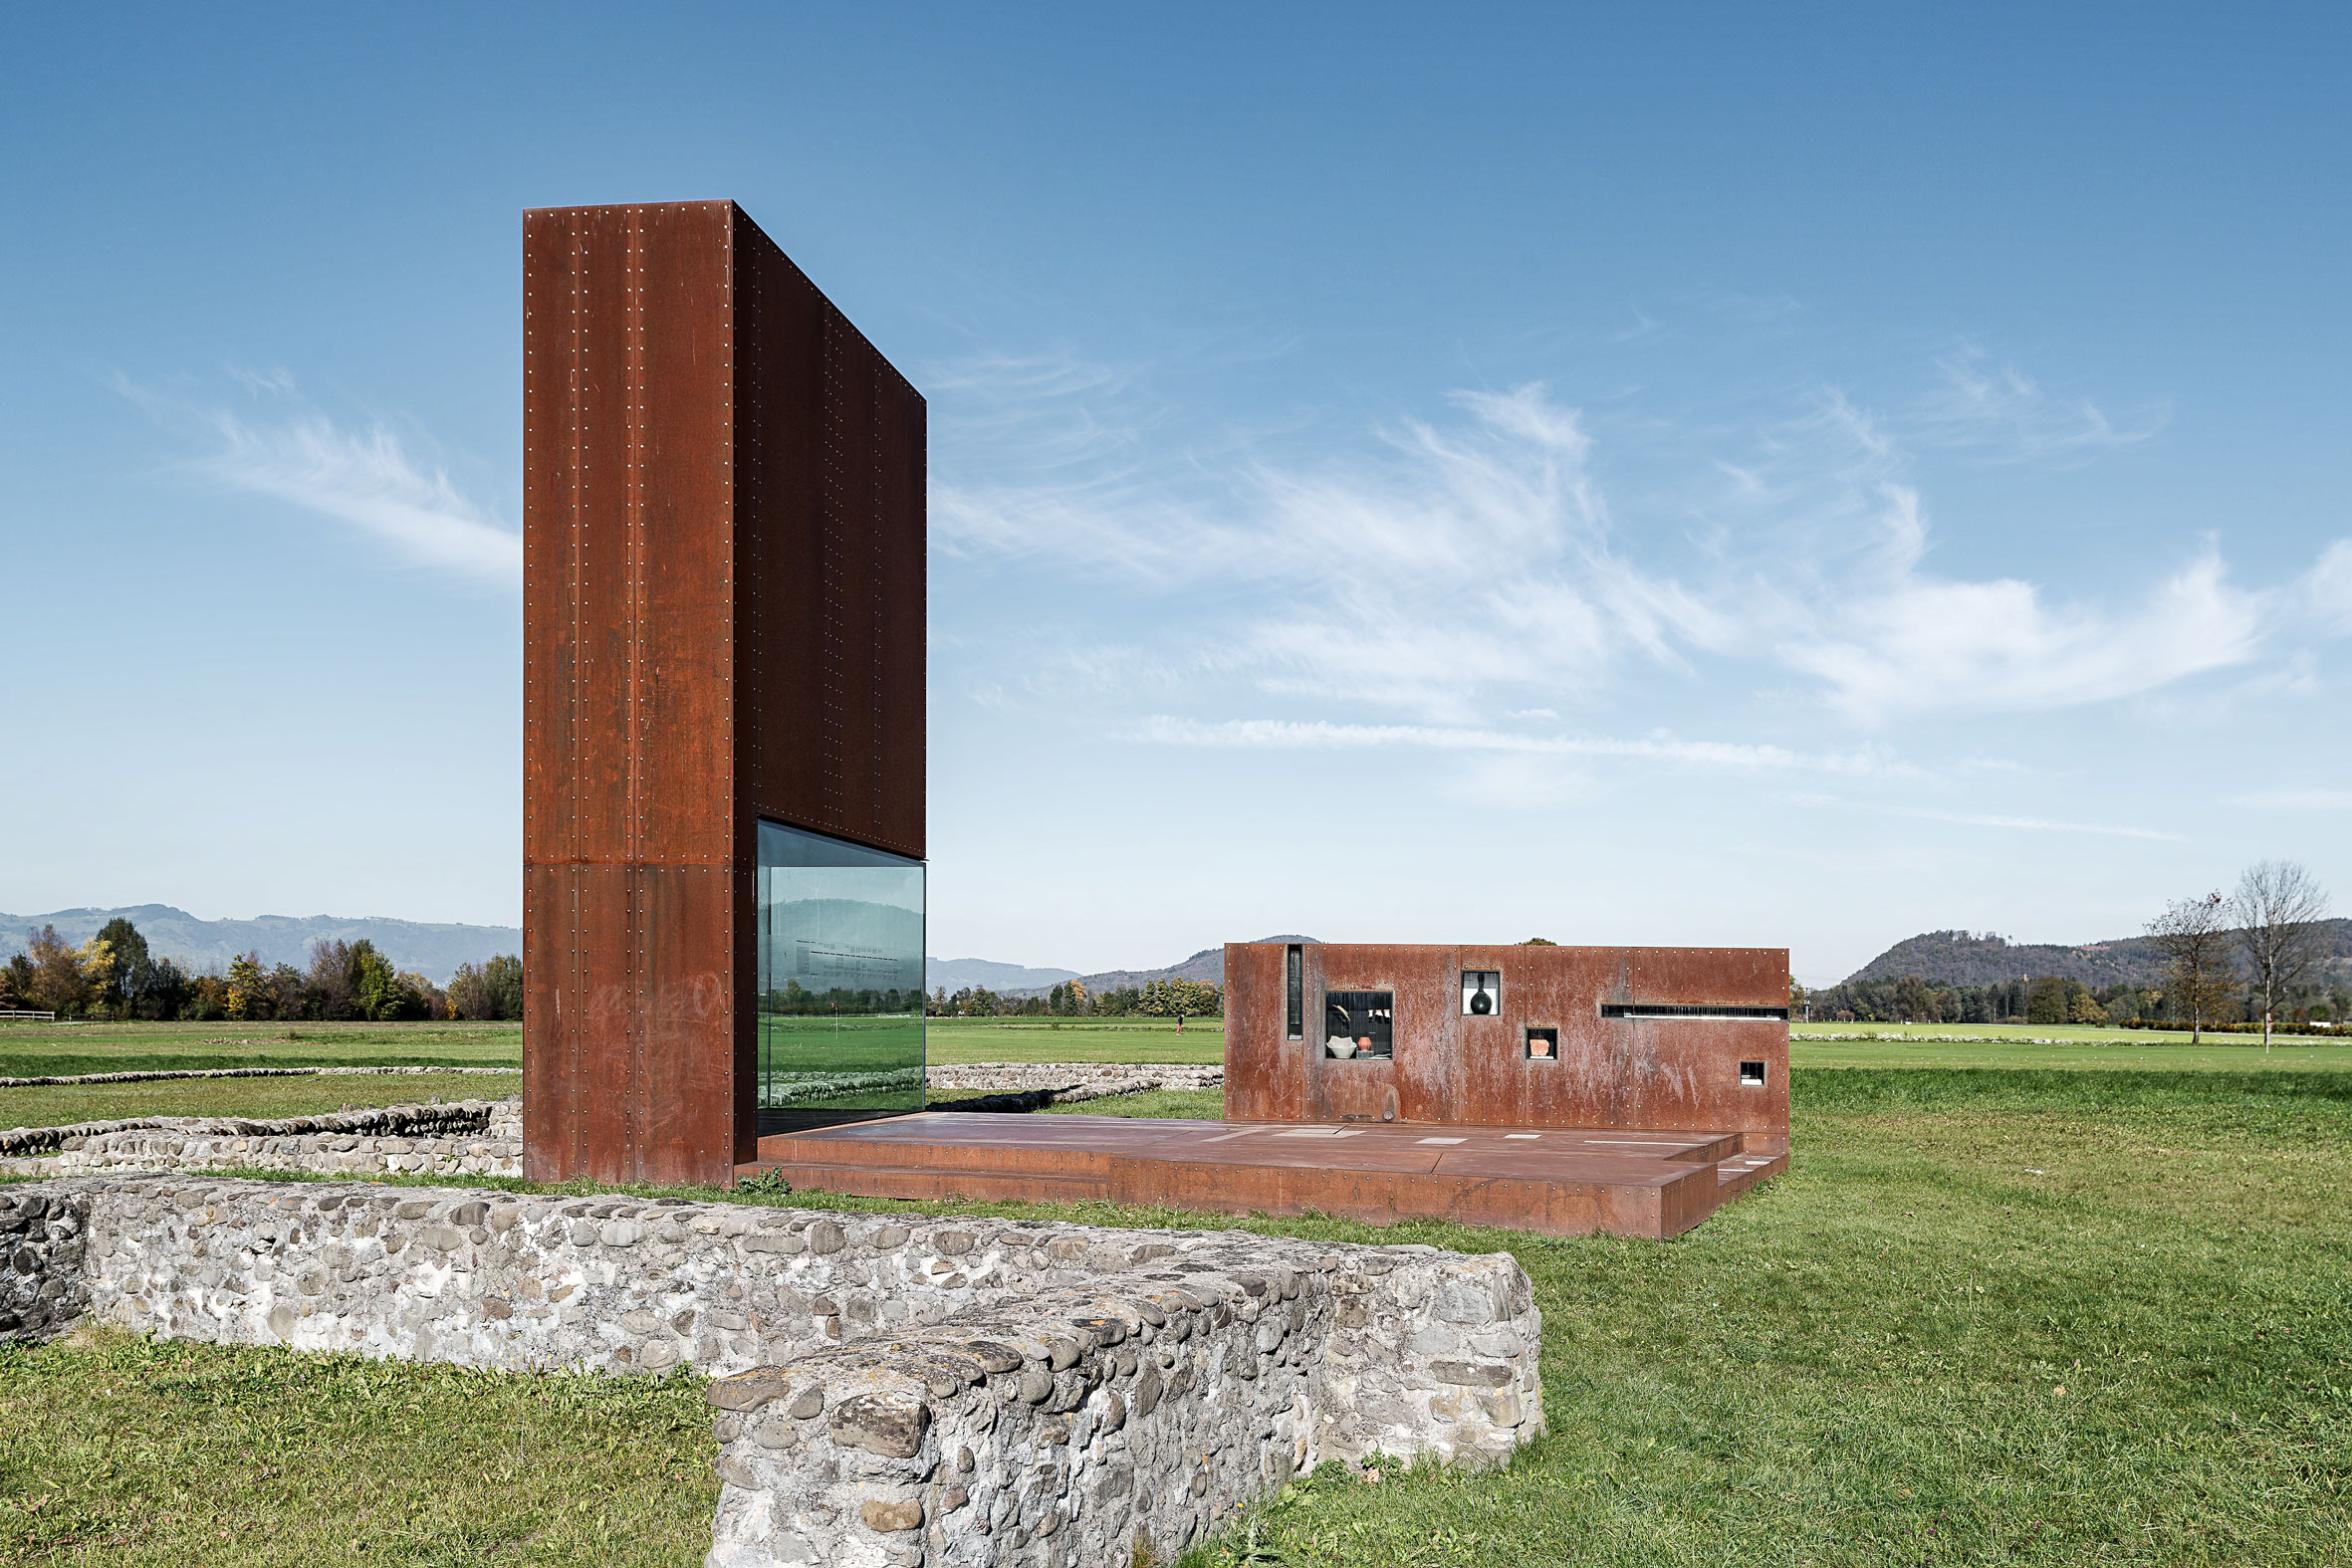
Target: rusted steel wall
{"x": 830, "y": 456}
{"x": 1678, "y": 1074}
{"x": 691, "y": 567}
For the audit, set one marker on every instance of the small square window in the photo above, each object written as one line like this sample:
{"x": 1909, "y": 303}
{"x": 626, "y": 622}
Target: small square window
{"x": 1360, "y": 1024}
{"x": 1481, "y": 992}
{"x": 1752, "y": 1072}
{"x": 1542, "y": 1044}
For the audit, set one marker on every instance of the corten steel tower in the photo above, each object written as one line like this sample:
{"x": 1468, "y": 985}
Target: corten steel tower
{"x": 723, "y": 530}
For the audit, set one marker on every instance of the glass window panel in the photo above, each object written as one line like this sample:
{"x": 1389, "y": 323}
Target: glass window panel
{"x": 1294, "y": 985}
{"x": 1360, "y": 1024}
{"x": 841, "y": 979}
{"x": 1482, "y": 992}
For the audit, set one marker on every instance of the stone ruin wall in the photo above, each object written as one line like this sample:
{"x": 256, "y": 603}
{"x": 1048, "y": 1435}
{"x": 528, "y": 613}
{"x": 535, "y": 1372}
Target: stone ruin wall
{"x": 462, "y": 1138}
{"x": 893, "y": 1390}
{"x": 474, "y": 1136}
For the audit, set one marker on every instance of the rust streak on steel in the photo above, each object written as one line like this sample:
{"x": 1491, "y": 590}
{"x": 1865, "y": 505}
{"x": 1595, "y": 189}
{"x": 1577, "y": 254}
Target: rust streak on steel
{"x": 723, "y": 609}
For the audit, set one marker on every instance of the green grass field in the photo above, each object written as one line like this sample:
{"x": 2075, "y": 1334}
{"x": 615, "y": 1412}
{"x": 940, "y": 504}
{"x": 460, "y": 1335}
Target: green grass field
{"x": 2133, "y": 1052}
{"x": 1076, "y": 1040}
{"x": 1992, "y": 1314}
{"x": 64, "y": 1104}
{"x": 125, "y": 1450}
{"x": 36, "y": 1049}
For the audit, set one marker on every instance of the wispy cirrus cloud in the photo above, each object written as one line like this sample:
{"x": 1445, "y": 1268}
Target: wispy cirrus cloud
{"x": 1899, "y": 640}
{"x": 1323, "y": 735}
{"x": 1468, "y": 565}
{"x": 364, "y": 478}
{"x": 1448, "y": 559}
{"x": 2003, "y": 415}
{"x": 2326, "y": 589}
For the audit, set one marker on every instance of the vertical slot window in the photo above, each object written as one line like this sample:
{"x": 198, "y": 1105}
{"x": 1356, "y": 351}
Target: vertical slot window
{"x": 1295, "y": 994}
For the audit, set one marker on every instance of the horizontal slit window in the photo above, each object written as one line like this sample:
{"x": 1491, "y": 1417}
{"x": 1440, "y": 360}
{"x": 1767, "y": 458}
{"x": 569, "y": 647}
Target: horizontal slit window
{"x": 1687, "y": 1010}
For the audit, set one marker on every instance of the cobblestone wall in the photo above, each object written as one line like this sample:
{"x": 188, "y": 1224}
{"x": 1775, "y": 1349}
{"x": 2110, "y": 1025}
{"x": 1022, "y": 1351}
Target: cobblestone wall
{"x": 1067, "y": 1426}
{"x": 893, "y": 1390}
{"x": 463, "y": 1138}
{"x": 1074, "y": 1081}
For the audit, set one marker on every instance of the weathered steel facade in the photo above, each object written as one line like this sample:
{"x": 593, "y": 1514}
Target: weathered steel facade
{"x": 1668, "y": 1072}
{"x": 723, "y": 621}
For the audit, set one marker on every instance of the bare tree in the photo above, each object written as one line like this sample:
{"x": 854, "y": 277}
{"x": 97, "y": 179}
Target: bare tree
{"x": 2279, "y": 908}
{"x": 2193, "y": 936}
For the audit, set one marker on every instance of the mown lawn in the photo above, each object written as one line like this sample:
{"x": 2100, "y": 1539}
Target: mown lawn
{"x": 2116, "y": 1052}
{"x": 1076, "y": 1040}
{"x": 1989, "y": 1316}
{"x": 58, "y": 1105}
{"x": 123, "y": 1450}
{"x": 35, "y": 1049}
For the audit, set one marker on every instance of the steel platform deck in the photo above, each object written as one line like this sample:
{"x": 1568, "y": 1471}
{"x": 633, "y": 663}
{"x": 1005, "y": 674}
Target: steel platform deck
{"x": 1563, "y": 1181}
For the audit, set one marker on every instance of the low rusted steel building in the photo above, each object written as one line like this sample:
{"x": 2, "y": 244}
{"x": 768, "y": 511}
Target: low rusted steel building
{"x": 1684, "y": 1040}
{"x": 1632, "y": 1090}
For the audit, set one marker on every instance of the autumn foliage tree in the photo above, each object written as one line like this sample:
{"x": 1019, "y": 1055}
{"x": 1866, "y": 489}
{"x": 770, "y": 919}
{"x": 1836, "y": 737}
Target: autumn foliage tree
{"x": 492, "y": 990}
{"x": 2193, "y": 934}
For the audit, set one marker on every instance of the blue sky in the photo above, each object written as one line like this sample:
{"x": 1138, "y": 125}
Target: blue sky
{"x": 1787, "y": 476}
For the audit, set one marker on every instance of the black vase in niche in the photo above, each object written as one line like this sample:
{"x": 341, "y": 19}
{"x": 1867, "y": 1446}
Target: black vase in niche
{"x": 1482, "y": 1003}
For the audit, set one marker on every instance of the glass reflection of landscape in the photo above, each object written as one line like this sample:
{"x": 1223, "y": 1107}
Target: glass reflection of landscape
{"x": 841, "y": 979}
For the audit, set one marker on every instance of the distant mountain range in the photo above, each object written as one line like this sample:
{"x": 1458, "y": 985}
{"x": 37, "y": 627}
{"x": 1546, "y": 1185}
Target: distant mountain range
{"x": 1206, "y": 965}
{"x": 956, "y": 974}
{"x": 433, "y": 951}
{"x": 1963, "y": 958}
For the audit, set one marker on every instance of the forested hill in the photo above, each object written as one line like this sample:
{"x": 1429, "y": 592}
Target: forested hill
{"x": 1963, "y": 958}
{"x": 430, "y": 948}
{"x": 1207, "y": 966}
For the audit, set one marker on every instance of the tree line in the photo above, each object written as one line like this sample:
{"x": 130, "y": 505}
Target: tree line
{"x": 796, "y": 1000}
{"x": 114, "y": 975}
{"x": 1158, "y": 998}
{"x": 2232, "y": 963}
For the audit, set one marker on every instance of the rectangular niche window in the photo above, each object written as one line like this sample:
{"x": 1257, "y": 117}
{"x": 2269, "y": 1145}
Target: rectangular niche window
{"x": 1752, "y": 1072}
{"x": 841, "y": 979}
{"x": 1295, "y": 994}
{"x": 1481, "y": 992}
{"x": 1360, "y": 1024}
{"x": 1542, "y": 1044}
